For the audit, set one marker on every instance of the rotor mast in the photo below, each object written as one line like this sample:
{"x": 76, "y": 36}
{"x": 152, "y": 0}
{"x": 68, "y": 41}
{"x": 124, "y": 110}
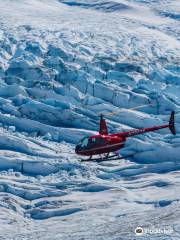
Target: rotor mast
{"x": 103, "y": 130}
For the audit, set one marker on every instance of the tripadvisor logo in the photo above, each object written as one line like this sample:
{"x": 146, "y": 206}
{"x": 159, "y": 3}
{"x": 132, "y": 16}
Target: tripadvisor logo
{"x": 139, "y": 231}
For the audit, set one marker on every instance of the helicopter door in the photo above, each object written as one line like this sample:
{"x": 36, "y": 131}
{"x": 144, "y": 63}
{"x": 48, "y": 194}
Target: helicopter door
{"x": 95, "y": 142}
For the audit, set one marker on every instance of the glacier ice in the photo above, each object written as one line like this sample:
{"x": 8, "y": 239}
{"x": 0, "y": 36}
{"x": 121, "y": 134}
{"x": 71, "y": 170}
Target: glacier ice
{"x": 61, "y": 64}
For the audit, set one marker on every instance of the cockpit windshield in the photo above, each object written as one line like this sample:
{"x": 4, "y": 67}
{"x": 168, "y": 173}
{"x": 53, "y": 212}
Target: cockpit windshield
{"x": 83, "y": 143}
{"x": 87, "y": 143}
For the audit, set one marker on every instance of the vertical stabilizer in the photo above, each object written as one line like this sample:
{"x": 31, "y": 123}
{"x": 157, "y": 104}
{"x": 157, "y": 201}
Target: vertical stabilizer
{"x": 171, "y": 123}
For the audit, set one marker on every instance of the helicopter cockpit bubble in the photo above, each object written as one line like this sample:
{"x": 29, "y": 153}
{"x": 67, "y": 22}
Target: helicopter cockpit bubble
{"x": 83, "y": 143}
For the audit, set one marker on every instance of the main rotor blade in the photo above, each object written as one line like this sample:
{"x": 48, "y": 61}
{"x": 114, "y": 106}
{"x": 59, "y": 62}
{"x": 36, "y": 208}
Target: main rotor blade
{"x": 85, "y": 117}
{"x": 121, "y": 110}
{"x": 108, "y": 114}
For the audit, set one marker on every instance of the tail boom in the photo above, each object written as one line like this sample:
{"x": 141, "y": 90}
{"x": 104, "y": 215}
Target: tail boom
{"x": 143, "y": 130}
{"x": 135, "y": 132}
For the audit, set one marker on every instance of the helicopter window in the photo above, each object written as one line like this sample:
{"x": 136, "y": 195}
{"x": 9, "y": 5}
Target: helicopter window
{"x": 91, "y": 142}
{"x": 98, "y": 140}
{"x": 101, "y": 141}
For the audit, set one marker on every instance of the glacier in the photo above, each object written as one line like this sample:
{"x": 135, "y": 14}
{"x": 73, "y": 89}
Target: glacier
{"x": 62, "y": 63}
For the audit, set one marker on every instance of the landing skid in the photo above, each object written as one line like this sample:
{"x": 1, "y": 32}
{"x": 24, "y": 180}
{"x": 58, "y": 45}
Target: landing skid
{"x": 109, "y": 158}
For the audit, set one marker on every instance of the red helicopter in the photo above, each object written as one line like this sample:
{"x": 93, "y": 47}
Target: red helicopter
{"x": 104, "y": 143}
